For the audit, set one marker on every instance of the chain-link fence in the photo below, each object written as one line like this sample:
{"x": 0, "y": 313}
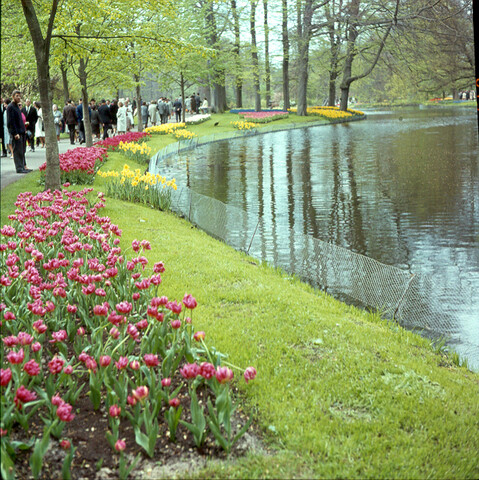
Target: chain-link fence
{"x": 415, "y": 301}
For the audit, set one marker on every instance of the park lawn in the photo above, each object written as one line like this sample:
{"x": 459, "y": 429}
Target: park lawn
{"x": 339, "y": 392}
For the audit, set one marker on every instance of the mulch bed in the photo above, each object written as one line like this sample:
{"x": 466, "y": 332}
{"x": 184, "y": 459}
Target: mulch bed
{"x": 93, "y": 452}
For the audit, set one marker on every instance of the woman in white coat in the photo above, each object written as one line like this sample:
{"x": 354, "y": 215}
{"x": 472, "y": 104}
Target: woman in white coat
{"x": 121, "y": 118}
{"x": 39, "y": 129}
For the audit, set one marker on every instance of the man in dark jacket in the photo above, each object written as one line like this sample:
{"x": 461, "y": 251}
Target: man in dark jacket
{"x": 16, "y": 128}
{"x": 81, "y": 131}
{"x": 70, "y": 118}
{"x": 105, "y": 118}
{"x": 31, "y": 116}
{"x": 177, "y": 106}
{"x": 113, "y": 112}
{"x": 4, "y": 149}
{"x": 198, "y": 102}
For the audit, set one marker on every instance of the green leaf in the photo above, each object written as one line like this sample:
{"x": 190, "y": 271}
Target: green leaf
{"x": 218, "y": 436}
{"x": 36, "y": 459}
{"x": 242, "y": 431}
{"x": 7, "y": 467}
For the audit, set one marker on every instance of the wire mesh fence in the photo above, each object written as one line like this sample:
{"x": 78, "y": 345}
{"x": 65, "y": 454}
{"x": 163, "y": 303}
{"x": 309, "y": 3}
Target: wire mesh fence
{"x": 415, "y": 301}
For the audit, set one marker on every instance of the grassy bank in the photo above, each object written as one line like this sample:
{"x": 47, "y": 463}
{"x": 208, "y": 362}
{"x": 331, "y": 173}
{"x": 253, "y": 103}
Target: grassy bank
{"x": 339, "y": 392}
{"x": 443, "y": 103}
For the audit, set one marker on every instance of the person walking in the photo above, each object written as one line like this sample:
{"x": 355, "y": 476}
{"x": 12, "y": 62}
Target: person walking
{"x": 81, "y": 125}
{"x": 70, "y": 118}
{"x": 153, "y": 112}
{"x": 95, "y": 121}
{"x": 105, "y": 118}
{"x": 57, "y": 120}
{"x": 204, "y": 106}
{"x": 31, "y": 117}
{"x": 198, "y": 102}
{"x": 39, "y": 128}
{"x": 3, "y": 109}
{"x": 177, "y": 107}
{"x": 6, "y": 138}
{"x": 121, "y": 118}
{"x": 113, "y": 113}
{"x": 144, "y": 114}
{"x": 17, "y": 130}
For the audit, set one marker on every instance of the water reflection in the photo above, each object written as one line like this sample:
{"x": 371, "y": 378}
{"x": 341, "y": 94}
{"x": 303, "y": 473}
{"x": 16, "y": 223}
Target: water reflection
{"x": 402, "y": 192}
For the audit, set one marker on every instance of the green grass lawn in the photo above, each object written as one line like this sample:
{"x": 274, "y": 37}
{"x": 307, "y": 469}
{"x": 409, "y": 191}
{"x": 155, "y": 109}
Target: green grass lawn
{"x": 340, "y": 393}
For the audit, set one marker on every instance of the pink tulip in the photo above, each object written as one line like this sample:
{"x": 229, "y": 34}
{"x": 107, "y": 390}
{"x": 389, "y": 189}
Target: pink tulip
{"x": 32, "y": 368}
{"x": 23, "y": 396}
{"x": 115, "y": 411}
{"x": 64, "y": 412}
{"x": 55, "y": 365}
{"x": 198, "y": 336}
{"x": 189, "y": 302}
{"x": 224, "y": 375}
{"x": 122, "y": 363}
{"x": 190, "y": 370}
{"x": 36, "y": 347}
{"x": 175, "y": 324}
{"x": 65, "y": 445}
{"x": 105, "y": 360}
{"x": 59, "y": 336}
{"x": 16, "y": 357}
{"x": 141, "y": 393}
{"x": 151, "y": 360}
{"x": 135, "y": 365}
{"x": 39, "y": 326}
{"x": 68, "y": 370}
{"x": 115, "y": 333}
{"x": 207, "y": 370}
{"x": 120, "y": 445}
{"x": 166, "y": 382}
{"x": 5, "y": 376}
{"x": 250, "y": 374}
{"x": 9, "y": 316}
{"x": 142, "y": 324}
{"x": 174, "y": 402}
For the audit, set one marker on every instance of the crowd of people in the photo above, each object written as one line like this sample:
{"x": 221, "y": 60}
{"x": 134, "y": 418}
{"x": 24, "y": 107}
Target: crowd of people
{"x": 22, "y": 125}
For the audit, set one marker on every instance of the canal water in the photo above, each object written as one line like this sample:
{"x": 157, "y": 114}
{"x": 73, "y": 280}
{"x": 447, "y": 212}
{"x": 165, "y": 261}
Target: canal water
{"x": 401, "y": 187}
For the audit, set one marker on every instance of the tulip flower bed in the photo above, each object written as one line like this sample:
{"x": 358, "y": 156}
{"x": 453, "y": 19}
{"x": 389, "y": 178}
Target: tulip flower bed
{"x": 113, "y": 143}
{"x": 183, "y": 134}
{"x": 263, "y": 117}
{"x": 140, "y": 152}
{"x": 134, "y": 186}
{"x": 242, "y": 125}
{"x": 164, "y": 129}
{"x": 79, "y": 165}
{"x": 330, "y": 113}
{"x": 92, "y": 352}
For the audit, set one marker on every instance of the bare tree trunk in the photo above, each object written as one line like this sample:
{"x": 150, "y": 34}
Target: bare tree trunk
{"x": 236, "y": 51}
{"x": 254, "y": 55}
{"x": 82, "y": 73}
{"x": 304, "y": 38}
{"x": 64, "y": 70}
{"x": 138, "y": 100}
{"x": 42, "y": 56}
{"x": 286, "y": 101}
{"x": 183, "y": 106}
{"x": 266, "y": 55}
{"x": 351, "y": 51}
{"x": 334, "y": 47}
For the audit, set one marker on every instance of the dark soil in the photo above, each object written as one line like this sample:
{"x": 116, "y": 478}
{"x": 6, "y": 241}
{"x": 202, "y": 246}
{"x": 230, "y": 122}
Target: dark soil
{"x": 93, "y": 452}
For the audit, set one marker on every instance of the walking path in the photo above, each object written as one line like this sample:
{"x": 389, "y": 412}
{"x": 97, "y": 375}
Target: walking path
{"x": 35, "y": 159}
